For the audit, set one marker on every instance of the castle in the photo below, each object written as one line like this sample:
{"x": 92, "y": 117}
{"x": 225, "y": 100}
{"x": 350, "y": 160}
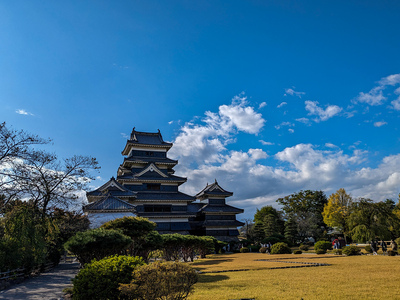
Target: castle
{"x": 147, "y": 187}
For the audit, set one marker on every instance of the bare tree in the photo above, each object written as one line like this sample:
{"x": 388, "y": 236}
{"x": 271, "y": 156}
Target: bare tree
{"x": 39, "y": 176}
{"x": 17, "y": 144}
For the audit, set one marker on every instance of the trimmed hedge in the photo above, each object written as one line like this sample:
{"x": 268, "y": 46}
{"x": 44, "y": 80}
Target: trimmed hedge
{"x": 351, "y": 250}
{"x": 280, "y": 248}
{"x": 322, "y": 245}
{"x": 101, "y": 279}
{"x": 97, "y": 244}
{"x": 297, "y": 252}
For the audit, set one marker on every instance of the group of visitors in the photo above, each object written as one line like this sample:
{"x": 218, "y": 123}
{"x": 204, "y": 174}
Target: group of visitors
{"x": 338, "y": 243}
{"x": 268, "y": 246}
{"x": 375, "y": 245}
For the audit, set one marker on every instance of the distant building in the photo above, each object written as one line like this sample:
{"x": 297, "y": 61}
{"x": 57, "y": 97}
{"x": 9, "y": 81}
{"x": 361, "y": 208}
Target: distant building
{"x": 147, "y": 187}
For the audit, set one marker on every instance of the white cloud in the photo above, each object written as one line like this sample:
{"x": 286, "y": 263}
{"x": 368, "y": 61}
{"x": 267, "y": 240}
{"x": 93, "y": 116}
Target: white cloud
{"x": 199, "y": 143}
{"x": 284, "y": 124}
{"x": 23, "y": 112}
{"x": 323, "y": 114}
{"x": 202, "y": 148}
{"x": 291, "y": 130}
{"x": 125, "y": 136}
{"x": 396, "y": 104}
{"x": 375, "y": 96}
{"x": 262, "y": 104}
{"x": 282, "y": 104}
{"x": 379, "y": 124}
{"x": 302, "y": 166}
{"x": 292, "y": 92}
{"x": 390, "y": 80}
{"x": 303, "y": 120}
{"x": 266, "y": 143}
{"x": 330, "y": 145}
{"x": 243, "y": 117}
{"x": 170, "y": 122}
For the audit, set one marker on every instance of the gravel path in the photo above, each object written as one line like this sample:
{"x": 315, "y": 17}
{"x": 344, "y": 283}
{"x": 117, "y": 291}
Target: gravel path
{"x": 47, "y": 286}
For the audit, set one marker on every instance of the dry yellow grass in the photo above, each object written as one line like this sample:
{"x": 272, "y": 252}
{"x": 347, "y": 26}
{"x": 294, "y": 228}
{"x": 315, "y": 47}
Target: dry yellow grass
{"x": 354, "y": 277}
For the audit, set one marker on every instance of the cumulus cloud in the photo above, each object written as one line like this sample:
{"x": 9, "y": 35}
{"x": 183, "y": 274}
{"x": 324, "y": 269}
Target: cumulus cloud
{"x": 379, "y": 124}
{"x": 204, "y": 150}
{"x": 292, "y": 92}
{"x": 23, "y": 112}
{"x": 204, "y": 142}
{"x": 302, "y": 166}
{"x": 322, "y": 114}
{"x": 396, "y": 104}
{"x": 375, "y": 96}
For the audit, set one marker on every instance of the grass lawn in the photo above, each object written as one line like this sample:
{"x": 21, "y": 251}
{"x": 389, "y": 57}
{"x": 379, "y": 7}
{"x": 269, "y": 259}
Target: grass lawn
{"x": 353, "y": 277}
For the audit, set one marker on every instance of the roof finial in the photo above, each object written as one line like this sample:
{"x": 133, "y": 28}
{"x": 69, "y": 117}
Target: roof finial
{"x": 216, "y": 181}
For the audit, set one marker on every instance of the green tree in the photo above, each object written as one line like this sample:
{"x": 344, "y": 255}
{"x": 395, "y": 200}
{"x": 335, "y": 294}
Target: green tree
{"x": 23, "y": 243}
{"x": 258, "y": 232}
{"x": 291, "y": 231}
{"x": 97, "y": 243}
{"x": 270, "y": 225}
{"x": 369, "y": 220}
{"x": 305, "y": 207}
{"x": 137, "y": 228}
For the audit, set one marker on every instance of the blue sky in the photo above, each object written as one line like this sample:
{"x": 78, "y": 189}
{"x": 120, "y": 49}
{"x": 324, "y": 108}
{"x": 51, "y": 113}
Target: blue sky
{"x": 269, "y": 97}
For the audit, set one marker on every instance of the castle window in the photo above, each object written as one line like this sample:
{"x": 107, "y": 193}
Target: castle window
{"x": 157, "y": 208}
{"x": 153, "y": 186}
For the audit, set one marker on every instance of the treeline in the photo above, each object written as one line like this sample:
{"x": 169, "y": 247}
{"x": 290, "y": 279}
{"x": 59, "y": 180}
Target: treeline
{"x": 310, "y": 214}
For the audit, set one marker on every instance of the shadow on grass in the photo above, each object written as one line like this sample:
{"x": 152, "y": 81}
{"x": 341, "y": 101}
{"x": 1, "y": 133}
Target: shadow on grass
{"x": 210, "y": 262}
{"x": 206, "y": 278}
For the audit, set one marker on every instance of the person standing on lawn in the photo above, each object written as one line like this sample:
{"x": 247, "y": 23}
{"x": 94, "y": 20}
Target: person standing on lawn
{"x": 373, "y": 247}
{"x": 394, "y": 245}
{"x": 384, "y": 246}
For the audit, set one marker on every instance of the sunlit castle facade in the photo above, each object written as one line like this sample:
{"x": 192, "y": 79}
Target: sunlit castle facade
{"x": 146, "y": 186}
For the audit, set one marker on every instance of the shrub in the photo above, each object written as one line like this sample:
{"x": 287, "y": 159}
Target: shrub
{"x": 263, "y": 250}
{"x": 161, "y": 280}
{"x": 304, "y": 247}
{"x": 244, "y": 250}
{"x": 368, "y": 248}
{"x": 351, "y": 250}
{"x": 322, "y": 245}
{"x": 280, "y": 248}
{"x": 297, "y": 252}
{"x": 97, "y": 243}
{"x": 397, "y": 241}
{"x": 392, "y": 253}
{"x": 254, "y": 248}
{"x": 100, "y": 279}
{"x": 320, "y": 251}
{"x": 337, "y": 252}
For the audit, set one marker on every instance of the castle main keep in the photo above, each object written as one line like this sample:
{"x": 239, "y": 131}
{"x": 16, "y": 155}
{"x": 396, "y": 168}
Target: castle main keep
{"x": 146, "y": 186}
